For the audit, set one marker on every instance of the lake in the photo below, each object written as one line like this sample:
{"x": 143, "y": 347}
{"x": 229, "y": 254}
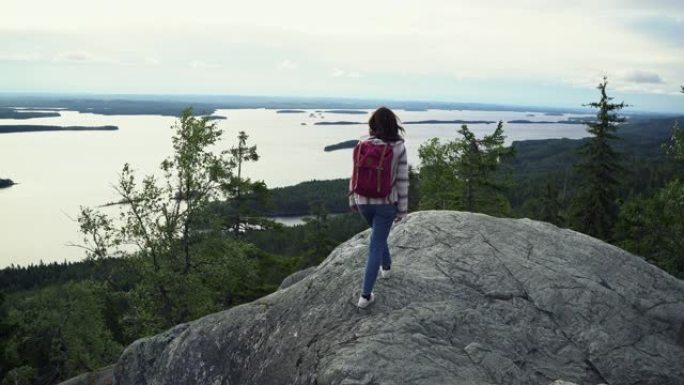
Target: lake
{"x": 59, "y": 171}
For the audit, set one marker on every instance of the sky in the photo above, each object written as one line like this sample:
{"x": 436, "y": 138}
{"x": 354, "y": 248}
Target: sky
{"x": 523, "y": 52}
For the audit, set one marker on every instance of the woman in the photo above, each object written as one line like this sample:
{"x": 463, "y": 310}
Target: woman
{"x": 381, "y": 212}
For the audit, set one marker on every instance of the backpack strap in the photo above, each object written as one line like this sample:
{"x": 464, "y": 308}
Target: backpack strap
{"x": 379, "y": 168}
{"x": 357, "y": 164}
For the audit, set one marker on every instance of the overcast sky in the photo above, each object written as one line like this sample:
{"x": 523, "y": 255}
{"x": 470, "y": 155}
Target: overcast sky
{"x": 529, "y": 52}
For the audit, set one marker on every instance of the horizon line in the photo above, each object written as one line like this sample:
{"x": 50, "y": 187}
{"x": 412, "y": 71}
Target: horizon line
{"x": 504, "y": 106}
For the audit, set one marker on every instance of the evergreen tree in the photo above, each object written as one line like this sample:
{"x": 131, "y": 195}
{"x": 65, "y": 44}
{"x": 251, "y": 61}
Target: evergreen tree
{"x": 463, "y": 174}
{"x": 440, "y": 186}
{"x": 6, "y": 330}
{"x": 674, "y": 147}
{"x": 22, "y": 375}
{"x": 317, "y": 237}
{"x": 243, "y": 195}
{"x": 595, "y": 206}
{"x": 551, "y": 207}
{"x": 414, "y": 190}
{"x": 653, "y": 226}
{"x": 59, "y": 333}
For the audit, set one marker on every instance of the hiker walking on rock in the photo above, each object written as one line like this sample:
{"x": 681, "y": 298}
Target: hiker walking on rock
{"x": 378, "y": 189}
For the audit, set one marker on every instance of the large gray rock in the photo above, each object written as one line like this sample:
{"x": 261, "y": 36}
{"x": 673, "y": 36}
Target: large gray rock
{"x": 101, "y": 376}
{"x": 472, "y": 300}
{"x": 296, "y": 277}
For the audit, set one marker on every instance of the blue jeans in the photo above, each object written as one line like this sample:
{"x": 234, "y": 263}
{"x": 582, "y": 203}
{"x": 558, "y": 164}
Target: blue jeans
{"x": 379, "y": 218}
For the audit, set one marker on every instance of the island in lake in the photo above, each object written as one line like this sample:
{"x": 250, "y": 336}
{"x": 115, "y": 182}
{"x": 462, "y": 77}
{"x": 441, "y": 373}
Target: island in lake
{"x": 12, "y": 113}
{"x": 350, "y": 112}
{"x": 524, "y": 121}
{"x": 7, "y": 129}
{"x": 215, "y": 117}
{"x": 340, "y": 123}
{"x": 290, "y": 112}
{"x": 4, "y": 183}
{"x": 340, "y": 146}
{"x": 457, "y": 121}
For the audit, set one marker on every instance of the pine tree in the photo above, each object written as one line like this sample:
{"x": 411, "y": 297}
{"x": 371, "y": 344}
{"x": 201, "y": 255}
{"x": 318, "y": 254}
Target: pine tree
{"x": 595, "y": 207}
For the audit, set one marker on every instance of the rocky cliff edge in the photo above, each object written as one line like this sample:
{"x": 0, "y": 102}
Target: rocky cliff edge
{"x": 472, "y": 300}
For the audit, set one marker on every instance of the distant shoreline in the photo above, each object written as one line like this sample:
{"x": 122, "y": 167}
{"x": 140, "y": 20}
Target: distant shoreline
{"x": 173, "y": 105}
{"x": 22, "y": 114}
{"x": 524, "y": 121}
{"x": 349, "y": 112}
{"x": 339, "y": 123}
{"x": 457, "y": 121}
{"x": 10, "y": 129}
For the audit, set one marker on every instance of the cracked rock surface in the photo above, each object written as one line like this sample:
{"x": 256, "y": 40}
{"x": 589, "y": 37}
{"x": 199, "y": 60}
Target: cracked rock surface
{"x": 472, "y": 300}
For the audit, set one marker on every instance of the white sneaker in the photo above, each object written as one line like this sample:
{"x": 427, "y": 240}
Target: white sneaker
{"x": 363, "y": 303}
{"x": 385, "y": 273}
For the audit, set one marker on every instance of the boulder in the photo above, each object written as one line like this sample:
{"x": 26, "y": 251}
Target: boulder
{"x": 472, "y": 300}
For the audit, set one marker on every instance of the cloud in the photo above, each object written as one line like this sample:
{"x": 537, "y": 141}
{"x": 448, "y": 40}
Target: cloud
{"x": 633, "y": 81}
{"x": 638, "y": 76}
{"x": 287, "y": 65}
{"x": 448, "y": 49}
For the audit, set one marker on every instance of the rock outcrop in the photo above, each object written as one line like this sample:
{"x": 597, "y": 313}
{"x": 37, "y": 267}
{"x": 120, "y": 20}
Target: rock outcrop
{"x": 101, "y": 376}
{"x": 472, "y": 300}
{"x": 296, "y": 277}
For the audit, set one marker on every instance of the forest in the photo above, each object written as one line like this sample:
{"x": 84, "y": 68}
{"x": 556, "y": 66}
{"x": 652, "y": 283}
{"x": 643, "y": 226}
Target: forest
{"x": 200, "y": 240}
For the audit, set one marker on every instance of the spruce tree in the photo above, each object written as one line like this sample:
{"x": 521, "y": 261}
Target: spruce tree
{"x": 674, "y": 147}
{"x": 595, "y": 207}
{"x": 480, "y": 159}
{"x": 551, "y": 205}
{"x": 317, "y": 235}
{"x": 463, "y": 174}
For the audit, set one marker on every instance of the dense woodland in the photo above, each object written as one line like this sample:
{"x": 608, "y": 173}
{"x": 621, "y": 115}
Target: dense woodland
{"x": 199, "y": 240}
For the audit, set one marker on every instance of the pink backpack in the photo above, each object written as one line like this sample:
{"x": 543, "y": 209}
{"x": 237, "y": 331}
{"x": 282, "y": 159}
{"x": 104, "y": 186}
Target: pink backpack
{"x": 372, "y": 175}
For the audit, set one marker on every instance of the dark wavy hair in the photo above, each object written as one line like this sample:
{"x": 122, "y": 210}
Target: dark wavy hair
{"x": 384, "y": 125}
